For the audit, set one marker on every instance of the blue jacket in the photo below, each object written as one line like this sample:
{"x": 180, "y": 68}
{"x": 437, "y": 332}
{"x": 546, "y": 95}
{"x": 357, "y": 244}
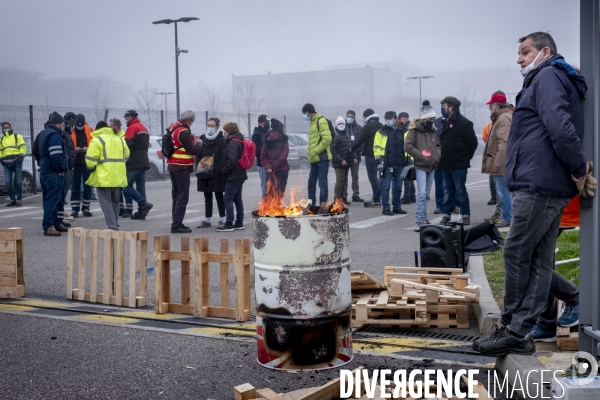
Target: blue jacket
{"x": 53, "y": 152}
{"x": 544, "y": 144}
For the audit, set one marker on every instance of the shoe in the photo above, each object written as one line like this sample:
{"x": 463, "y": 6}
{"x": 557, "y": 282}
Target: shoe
{"x": 137, "y": 215}
{"x": 67, "y": 217}
{"x": 419, "y": 224}
{"x": 75, "y": 214}
{"x": 388, "y": 212}
{"x": 444, "y": 220}
{"x": 126, "y": 215}
{"x": 11, "y": 203}
{"x": 18, "y": 203}
{"x": 145, "y": 209}
{"x": 372, "y": 204}
{"x": 437, "y": 211}
{"x": 181, "y": 229}
{"x": 413, "y": 199}
{"x": 399, "y": 211}
{"x": 456, "y": 211}
{"x": 204, "y": 224}
{"x": 86, "y": 213}
{"x": 186, "y": 227}
{"x": 357, "y": 199}
{"x": 405, "y": 200}
{"x": 51, "y": 232}
{"x": 68, "y": 225}
{"x": 62, "y": 228}
{"x": 508, "y": 344}
{"x": 221, "y": 223}
{"x": 94, "y": 198}
{"x": 225, "y": 228}
{"x": 466, "y": 220}
{"x": 540, "y": 335}
{"x": 492, "y": 202}
{"x": 238, "y": 227}
{"x": 570, "y": 316}
{"x": 497, "y": 331}
{"x": 493, "y": 219}
{"x": 503, "y": 224}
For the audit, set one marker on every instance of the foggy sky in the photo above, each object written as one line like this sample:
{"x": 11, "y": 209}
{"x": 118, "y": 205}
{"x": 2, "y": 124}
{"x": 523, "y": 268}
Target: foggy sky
{"x": 69, "y": 38}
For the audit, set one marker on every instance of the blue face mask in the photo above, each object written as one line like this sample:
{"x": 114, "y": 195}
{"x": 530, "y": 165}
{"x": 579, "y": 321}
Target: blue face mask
{"x": 306, "y": 117}
{"x": 350, "y": 120}
{"x": 389, "y": 123}
{"x": 210, "y": 131}
{"x": 444, "y": 113}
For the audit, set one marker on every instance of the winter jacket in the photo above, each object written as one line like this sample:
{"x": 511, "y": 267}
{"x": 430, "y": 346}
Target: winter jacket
{"x": 355, "y": 130}
{"x": 340, "y": 149}
{"x": 319, "y": 139}
{"x": 258, "y": 138}
{"x": 185, "y": 147}
{"x": 439, "y": 125}
{"x": 138, "y": 141}
{"x": 233, "y": 171}
{"x": 388, "y": 147}
{"x": 216, "y": 148}
{"x": 106, "y": 157}
{"x": 52, "y": 150}
{"x": 12, "y": 148}
{"x": 419, "y": 140}
{"x": 367, "y": 136}
{"x": 275, "y": 150}
{"x": 70, "y": 148}
{"x": 85, "y": 137}
{"x": 458, "y": 142}
{"x": 544, "y": 144}
{"x": 494, "y": 154}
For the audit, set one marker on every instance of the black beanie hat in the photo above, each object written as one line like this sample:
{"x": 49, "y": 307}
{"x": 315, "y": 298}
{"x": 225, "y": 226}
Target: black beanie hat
{"x": 101, "y": 124}
{"x": 276, "y": 125}
{"x": 368, "y": 112}
{"x": 56, "y": 118}
{"x": 308, "y": 108}
{"x": 426, "y": 103}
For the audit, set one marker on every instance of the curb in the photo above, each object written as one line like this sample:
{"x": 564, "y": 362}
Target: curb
{"x": 529, "y": 370}
{"x": 486, "y": 311}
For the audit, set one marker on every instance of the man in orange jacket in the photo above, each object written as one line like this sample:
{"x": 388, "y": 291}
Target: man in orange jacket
{"x": 81, "y": 136}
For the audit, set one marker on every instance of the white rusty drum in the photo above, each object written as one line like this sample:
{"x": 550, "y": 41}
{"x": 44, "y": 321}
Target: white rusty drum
{"x": 303, "y": 295}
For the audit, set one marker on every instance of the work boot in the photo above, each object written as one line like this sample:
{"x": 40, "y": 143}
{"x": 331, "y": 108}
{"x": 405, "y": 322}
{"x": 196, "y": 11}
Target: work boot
{"x": 437, "y": 211}
{"x": 181, "y": 229}
{"x": 126, "y": 214}
{"x": 503, "y": 224}
{"x": 497, "y": 331}
{"x": 138, "y": 216}
{"x": 51, "y": 232}
{"x": 145, "y": 209}
{"x": 493, "y": 219}
{"x": 388, "y": 212}
{"x": 87, "y": 213}
{"x": 11, "y": 203}
{"x": 357, "y": 199}
{"x": 508, "y": 344}
{"x": 405, "y": 200}
{"x": 204, "y": 224}
{"x": 492, "y": 202}
{"x": 68, "y": 225}
{"x": 75, "y": 214}
{"x": 62, "y": 228}
{"x": 18, "y": 203}
{"x": 399, "y": 211}
{"x": 372, "y": 204}
{"x": 444, "y": 220}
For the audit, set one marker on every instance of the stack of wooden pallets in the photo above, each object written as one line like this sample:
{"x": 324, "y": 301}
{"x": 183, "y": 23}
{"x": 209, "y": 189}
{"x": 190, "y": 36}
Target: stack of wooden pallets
{"x": 413, "y": 297}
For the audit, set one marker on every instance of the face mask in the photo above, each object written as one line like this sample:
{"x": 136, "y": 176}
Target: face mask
{"x": 389, "y": 123}
{"x": 364, "y": 120}
{"x": 350, "y": 121}
{"x": 428, "y": 125}
{"x": 79, "y": 127}
{"x": 7, "y": 130}
{"x": 341, "y": 127}
{"x": 211, "y": 131}
{"x": 444, "y": 113}
{"x": 306, "y": 117}
{"x": 525, "y": 70}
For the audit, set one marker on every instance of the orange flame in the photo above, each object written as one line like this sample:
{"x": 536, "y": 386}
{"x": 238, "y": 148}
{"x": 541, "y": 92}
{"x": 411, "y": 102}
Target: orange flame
{"x": 338, "y": 206}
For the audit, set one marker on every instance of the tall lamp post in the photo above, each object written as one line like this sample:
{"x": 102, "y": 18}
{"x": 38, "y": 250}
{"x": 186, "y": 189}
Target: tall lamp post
{"x": 166, "y": 109}
{"x": 177, "y": 52}
{"x": 420, "y": 78}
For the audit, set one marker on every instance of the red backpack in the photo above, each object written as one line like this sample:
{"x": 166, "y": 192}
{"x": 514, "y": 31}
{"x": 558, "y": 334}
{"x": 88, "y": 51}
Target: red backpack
{"x": 248, "y": 153}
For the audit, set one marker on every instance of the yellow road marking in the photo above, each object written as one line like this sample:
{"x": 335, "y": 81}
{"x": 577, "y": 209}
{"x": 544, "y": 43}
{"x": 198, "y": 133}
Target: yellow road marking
{"x": 543, "y": 359}
{"x": 12, "y": 307}
{"x": 44, "y": 303}
{"x": 106, "y": 318}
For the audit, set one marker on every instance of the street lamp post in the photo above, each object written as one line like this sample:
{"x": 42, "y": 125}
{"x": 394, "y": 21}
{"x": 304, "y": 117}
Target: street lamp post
{"x": 166, "y": 109}
{"x": 177, "y": 51}
{"x": 420, "y": 78}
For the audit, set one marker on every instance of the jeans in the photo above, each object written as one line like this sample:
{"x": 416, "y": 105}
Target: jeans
{"x": 493, "y": 188}
{"x": 563, "y": 290}
{"x": 318, "y": 172}
{"x": 108, "y": 198}
{"x": 233, "y": 195}
{"x": 455, "y": 191}
{"x": 51, "y": 197}
{"x": 394, "y": 179}
{"x": 208, "y": 204}
{"x": 137, "y": 176}
{"x": 424, "y": 182}
{"x": 340, "y": 189}
{"x": 354, "y": 168}
{"x": 14, "y": 171}
{"x": 504, "y": 197}
{"x": 439, "y": 188}
{"x": 180, "y": 193}
{"x": 372, "y": 174}
{"x": 529, "y": 258}
{"x": 80, "y": 174}
{"x": 262, "y": 173}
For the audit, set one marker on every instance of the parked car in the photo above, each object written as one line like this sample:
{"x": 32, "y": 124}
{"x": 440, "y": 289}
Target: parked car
{"x": 26, "y": 174}
{"x": 293, "y": 159}
{"x": 155, "y": 156}
{"x": 300, "y": 142}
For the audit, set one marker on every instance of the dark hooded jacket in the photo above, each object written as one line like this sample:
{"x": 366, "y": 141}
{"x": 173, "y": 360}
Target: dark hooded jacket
{"x": 367, "y": 136}
{"x": 341, "y": 149}
{"x": 544, "y": 144}
{"x": 216, "y": 148}
{"x": 258, "y": 138}
{"x": 458, "y": 142}
{"x": 232, "y": 170}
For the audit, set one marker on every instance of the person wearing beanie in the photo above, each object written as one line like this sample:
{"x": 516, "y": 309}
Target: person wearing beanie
{"x": 424, "y": 147}
{"x": 410, "y": 195}
{"x": 366, "y": 139}
{"x": 260, "y": 131}
{"x": 12, "y": 154}
{"x": 342, "y": 159}
{"x": 137, "y": 138}
{"x": 355, "y": 130}
{"x": 81, "y": 136}
{"x": 54, "y": 163}
{"x": 319, "y": 153}
{"x": 108, "y": 177}
{"x": 494, "y": 157}
{"x": 459, "y": 143}
{"x": 273, "y": 157}
{"x": 388, "y": 149}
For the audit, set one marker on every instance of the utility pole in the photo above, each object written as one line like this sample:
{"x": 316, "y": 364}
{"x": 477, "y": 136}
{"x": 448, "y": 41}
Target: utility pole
{"x": 420, "y": 78}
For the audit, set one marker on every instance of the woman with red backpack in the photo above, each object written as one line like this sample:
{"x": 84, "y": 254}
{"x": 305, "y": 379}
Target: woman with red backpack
{"x": 235, "y": 176}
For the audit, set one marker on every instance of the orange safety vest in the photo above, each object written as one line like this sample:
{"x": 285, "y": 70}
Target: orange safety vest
{"x": 486, "y": 132}
{"x": 180, "y": 156}
{"x": 88, "y": 134}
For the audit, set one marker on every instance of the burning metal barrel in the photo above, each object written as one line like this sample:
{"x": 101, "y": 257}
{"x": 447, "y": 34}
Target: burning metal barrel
{"x": 302, "y": 285}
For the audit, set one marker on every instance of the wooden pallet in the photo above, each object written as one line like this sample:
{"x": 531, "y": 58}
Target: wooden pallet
{"x": 446, "y": 276}
{"x": 361, "y": 280}
{"x": 12, "y": 265}
{"x": 567, "y": 340}
{"x": 433, "y": 292}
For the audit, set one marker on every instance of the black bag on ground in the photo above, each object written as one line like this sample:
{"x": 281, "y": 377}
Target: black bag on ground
{"x": 482, "y": 238}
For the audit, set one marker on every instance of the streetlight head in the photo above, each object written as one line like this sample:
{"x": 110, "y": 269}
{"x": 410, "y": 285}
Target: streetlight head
{"x": 163, "y": 21}
{"x": 413, "y": 77}
{"x": 188, "y": 19}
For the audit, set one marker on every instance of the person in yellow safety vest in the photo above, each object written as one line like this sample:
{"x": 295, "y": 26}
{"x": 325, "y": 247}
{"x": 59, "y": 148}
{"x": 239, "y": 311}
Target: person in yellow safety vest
{"x": 12, "y": 153}
{"x": 106, "y": 157}
{"x": 484, "y": 136}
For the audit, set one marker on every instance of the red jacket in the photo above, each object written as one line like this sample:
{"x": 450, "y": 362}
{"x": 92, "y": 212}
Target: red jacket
{"x": 274, "y": 153}
{"x": 137, "y": 139}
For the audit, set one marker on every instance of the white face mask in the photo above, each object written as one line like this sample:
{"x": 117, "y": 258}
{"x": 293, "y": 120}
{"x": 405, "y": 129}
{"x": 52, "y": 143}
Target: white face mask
{"x": 210, "y": 131}
{"x": 525, "y": 70}
{"x": 341, "y": 127}
{"x": 6, "y": 130}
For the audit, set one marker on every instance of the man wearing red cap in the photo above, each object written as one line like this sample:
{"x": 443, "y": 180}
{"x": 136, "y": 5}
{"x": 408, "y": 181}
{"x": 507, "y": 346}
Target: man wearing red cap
{"x": 494, "y": 155}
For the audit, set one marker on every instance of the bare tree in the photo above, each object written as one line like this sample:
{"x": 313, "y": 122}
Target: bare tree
{"x": 99, "y": 99}
{"x": 148, "y": 104}
{"x": 213, "y": 98}
{"x": 246, "y": 101}
{"x": 471, "y": 107}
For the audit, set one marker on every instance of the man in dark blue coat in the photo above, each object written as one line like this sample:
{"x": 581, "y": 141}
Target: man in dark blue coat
{"x": 54, "y": 164}
{"x": 545, "y": 168}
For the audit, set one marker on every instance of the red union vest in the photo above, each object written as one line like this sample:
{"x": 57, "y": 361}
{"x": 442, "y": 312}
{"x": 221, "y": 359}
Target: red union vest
{"x": 180, "y": 156}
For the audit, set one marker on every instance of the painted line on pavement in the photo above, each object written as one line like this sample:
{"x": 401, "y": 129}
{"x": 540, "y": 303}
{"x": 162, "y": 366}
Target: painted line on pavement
{"x": 18, "y": 208}
{"x": 367, "y": 223}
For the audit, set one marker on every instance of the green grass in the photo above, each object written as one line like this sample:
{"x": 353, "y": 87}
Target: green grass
{"x": 568, "y": 246}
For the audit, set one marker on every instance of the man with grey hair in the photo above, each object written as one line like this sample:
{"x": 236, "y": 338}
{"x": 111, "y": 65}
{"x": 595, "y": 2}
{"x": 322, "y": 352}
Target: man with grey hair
{"x": 545, "y": 168}
{"x": 180, "y": 166}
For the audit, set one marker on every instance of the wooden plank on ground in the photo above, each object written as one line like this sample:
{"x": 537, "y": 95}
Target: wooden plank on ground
{"x": 244, "y": 392}
{"x": 267, "y": 394}
{"x": 431, "y": 287}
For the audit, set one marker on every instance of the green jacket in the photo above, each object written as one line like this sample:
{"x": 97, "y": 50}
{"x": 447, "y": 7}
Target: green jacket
{"x": 12, "y": 148}
{"x": 379, "y": 144}
{"x": 106, "y": 156}
{"x": 319, "y": 139}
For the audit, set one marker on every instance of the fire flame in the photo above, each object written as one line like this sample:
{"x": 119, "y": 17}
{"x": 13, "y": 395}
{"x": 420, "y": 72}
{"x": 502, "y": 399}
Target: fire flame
{"x": 272, "y": 204}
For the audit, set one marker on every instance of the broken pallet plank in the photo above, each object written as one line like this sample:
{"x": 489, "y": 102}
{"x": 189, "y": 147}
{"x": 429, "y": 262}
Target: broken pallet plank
{"x": 430, "y": 287}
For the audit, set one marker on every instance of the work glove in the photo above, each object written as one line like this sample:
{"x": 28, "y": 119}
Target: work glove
{"x": 587, "y": 185}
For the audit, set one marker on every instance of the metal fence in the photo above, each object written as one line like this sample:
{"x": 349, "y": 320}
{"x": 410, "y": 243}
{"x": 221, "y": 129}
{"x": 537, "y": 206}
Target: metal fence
{"x": 29, "y": 121}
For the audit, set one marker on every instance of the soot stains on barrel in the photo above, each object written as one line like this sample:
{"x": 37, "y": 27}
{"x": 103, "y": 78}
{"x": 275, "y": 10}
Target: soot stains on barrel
{"x": 335, "y": 230}
{"x": 320, "y": 286}
{"x": 261, "y": 234}
{"x": 289, "y": 228}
